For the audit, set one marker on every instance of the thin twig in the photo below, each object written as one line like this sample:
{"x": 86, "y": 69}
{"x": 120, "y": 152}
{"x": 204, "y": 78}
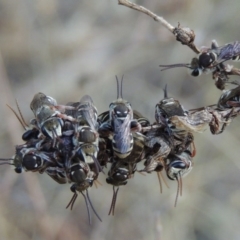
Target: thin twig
{"x": 148, "y": 12}
{"x": 185, "y": 35}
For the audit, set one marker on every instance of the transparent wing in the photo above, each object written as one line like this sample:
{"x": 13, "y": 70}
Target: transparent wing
{"x": 122, "y": 134}
{"x": 228, "y": 51}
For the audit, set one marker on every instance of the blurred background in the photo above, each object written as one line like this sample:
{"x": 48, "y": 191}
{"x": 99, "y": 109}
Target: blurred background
{"x": 70, "y": 48}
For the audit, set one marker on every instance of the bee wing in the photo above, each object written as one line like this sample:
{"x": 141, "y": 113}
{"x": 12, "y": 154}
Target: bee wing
{"x": 88, "y": 112}
{"x": 141, "y": 119}
{"x": 123, "y": 137}
{"x": 57, "y": 174}
{"x": 86, "y": 98}
{"x": 103, "y": 117}
{"x": 72, "y": 112}
{"x": 228, "y": 51}
{"x": 39, "y": 100}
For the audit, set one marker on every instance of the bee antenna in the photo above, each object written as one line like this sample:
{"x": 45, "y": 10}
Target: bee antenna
{"x": 72, "y": 201}
{"x": 166, "y": 67}
{"x": 6, "y": 163}
{"x": 89, "y": 200}
{"x": 165, "y": 92}
{"x": 179, "y": 188}
{"x": 19, "y": 110}
{"x": 20, "y": 118}
{"x": 114, "y": 199}
{"x": 87, "y": 204}
{"x": 117, "y": 87}
{"x": 97, "y": 164}
{"x": 6, "y": 159}
{"x": 121, "y": 86}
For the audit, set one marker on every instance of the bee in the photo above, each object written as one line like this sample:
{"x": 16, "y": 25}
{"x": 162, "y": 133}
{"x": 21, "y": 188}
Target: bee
{"x": 118, "y": 124}
{"x": 167, "y": 108}
{"x": 217, "y": 116}
{"x": 49, "y": 116}
{"x": 82, "y": 178}
{"x": 86, "y": 135}
{"x": 177, "y": 166}
{"x": 156, "y": 150}
{"x": 118, "y": 175}
{"x": 123, "y": 168}
{"x": 88, "y": 148}
{"x": 227, "y": 108}
{"x": 31, "y": 159}
{"x": 165, "y": 111}
{"x": 211, "y": 60}
{"x": 229, "y": 99}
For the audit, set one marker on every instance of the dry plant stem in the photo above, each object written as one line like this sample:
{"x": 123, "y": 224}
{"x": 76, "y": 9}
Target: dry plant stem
{"x": 148, "y": 12}
{"x": 185, "y": 35}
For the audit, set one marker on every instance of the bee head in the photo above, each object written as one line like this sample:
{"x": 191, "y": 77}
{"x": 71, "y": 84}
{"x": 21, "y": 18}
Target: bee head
{"x": 52, "y": 127}
{"x": 32, "y": 162}
{"x": 196, "y": 72}
{"x": 206, "y": 59}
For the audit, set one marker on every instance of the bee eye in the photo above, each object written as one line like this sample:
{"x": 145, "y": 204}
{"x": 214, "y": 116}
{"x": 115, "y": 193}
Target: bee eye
{"x": 212, "y": 57}
{"x": 196, "y": 72}
{"x": 18, "y": 169}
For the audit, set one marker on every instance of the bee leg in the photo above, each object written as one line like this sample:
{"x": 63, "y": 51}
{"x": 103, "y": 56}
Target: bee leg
{"x": 135, "y": 126}
{"x": 105, "y": 129}
{"x": 194, "y": 152}
{"x": 66, "y": 117}
{"x": 179, "y": 188}
{"x": 97, "y": 165}
{"x": 72, "y": 201}
{"x": 114, "y": 199}
{"x": 233, "y": 103}
{"x": 89, "y": 200}
{"x": 227, "y": 118}
{"x": 214, "y": 124}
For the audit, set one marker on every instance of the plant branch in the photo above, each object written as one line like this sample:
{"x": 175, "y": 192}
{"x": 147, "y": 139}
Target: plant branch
{"x": 184, "y": 35}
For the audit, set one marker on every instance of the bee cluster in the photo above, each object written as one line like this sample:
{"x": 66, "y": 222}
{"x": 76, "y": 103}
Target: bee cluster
{"x": 72, "y": 143}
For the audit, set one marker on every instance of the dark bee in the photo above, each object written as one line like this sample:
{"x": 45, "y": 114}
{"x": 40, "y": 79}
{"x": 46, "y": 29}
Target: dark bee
{"x": 177, "y": 166}
{"x": 118, "y": 124}
{"x": 82, "y": 178}
{"x": 171, "y": 140}
{"x": 88, "y": 148}
{"x": 210, "y": 58}
{"x": 86, "y": 135}
{"x": 31, "y": 159}
{"x": 118, "y": 175}
{"x": 49, "y": 115}
{"x": 229, "y": 99}
{"x": 227, "y": 108}
{"x": 123, "y": 168}
{"x": 167, "y": 108}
